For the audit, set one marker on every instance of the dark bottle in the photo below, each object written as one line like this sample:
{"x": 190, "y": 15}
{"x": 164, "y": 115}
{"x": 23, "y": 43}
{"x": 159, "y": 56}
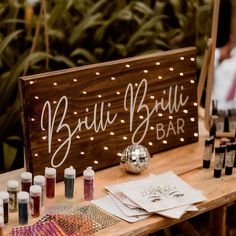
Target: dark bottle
{"x": 226, "y": 122}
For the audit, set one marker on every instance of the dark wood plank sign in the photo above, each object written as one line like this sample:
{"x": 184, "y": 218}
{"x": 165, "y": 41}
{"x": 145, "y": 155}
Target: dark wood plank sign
{"x": 86, "y": 116}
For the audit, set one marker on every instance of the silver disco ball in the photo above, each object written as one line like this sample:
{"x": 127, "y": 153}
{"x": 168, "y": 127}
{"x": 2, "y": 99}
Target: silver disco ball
{"x": 135, "y": 159}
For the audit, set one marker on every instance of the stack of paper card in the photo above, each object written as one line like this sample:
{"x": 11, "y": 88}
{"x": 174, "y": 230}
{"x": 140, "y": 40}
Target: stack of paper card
{"x": 166, "y": 194}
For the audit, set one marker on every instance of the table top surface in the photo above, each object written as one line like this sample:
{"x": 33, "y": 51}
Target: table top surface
{"x": 185, "y": 161}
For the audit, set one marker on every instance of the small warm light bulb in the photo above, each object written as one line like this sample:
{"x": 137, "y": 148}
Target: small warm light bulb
{"x": 112, "y": 133}
{"x": 75, "y": 112}
{"x": 77, "y": 136}
{"x": 127, "y": 66}
{"x": 159, "y": 77}
{"x": 195, "y": 134}
{"x": 113, "y": 78}
{"x": 59, "y": 140}
{"x": 54, "y": 84}
{"x": 152, "y": 128}
{"x": 84, "y": 92}
{"x": 118, "y": 93}
{"x": 158, "y": 63}
{"x": 192, "y": 81}
{"x": 181, "y": 58}
{"x": 75, "y": 80}
{"x": 181, "y": 74}
{"x": 171, "y": 117}
{"x": 195, "y": 104}
{"x": 182, "y": 139}
{"x": 122, "y": 121}
{"x": 136, "y": 84}
{"x": 32, "y": 119}
{"x": 152, "y": 97}
{"x": 36, "y": 97}
{"x": 105, "y": 148}
{"x": 171, "y": 69}
{"x": 124, "y": 137}
{"x": 99, "y": 95}
{"x": 97, "y": 73}
{"x": 150, "y": 143}
{"x": 91, "y": 138}
{"x": 119, "y": 154}
{"x": 160, "y": 114}
{"x": 54, "y": 102}
{"x": 185, "y": 111}
{"x": 164, "y": 141}
{"x": 36, "y": 154}
{"x": 145, "y": 71}
{"x": 82, "y": 153}
{"x": 141, "y": 117}
{"x": 95, "y": 162}
{"x": 31, "y": 82}
{"x": 87, "y": 110}
{"x": 192, "y": 119}
{"x": 192, "y": 59}
{"x": 44, "y": 137}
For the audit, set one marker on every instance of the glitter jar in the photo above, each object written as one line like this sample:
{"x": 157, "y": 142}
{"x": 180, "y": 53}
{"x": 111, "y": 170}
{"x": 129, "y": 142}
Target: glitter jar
{"x": 35, "y": 195}
{"x": 5, "y": 198}
{"x": 88, "y": 175}
{"x": 23, "y": 200}
{"x": 13, "y": 189}
{"x": 69, "y": 180}
{"x": 40, "y": 180}
{"x": 50, "y": 175}
{"x": 26, "y": 181}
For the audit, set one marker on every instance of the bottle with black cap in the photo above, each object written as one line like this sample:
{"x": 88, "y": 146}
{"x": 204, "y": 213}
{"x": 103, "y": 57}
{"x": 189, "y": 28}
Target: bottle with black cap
{"x": 208, "y": 152}
{"x": 219, "y": 159}
{"x": 229, "y": 159}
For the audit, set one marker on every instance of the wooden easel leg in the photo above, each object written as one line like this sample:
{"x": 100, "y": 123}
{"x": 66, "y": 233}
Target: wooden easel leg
{"x": 218, "y": 221}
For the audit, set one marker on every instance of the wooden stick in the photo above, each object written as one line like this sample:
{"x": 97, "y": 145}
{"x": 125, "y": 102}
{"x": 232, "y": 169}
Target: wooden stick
{"x": 187, "y": 229}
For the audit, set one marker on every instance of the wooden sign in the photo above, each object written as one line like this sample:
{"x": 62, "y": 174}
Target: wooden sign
{"x": 86, "y": 116}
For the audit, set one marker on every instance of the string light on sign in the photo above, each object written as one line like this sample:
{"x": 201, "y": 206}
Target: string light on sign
{"x": 185, "y": 111}
{"x": 99, "y": 95}
{"x": 54, "y": 102}
{"x": 36, "y": 154}
{"x": 158, "y": 63}
{"x": 113, "y": 78}
{"x": 150, "y": 143}
{"x": 119, "y": 154}
{"x": 59, "y": 140}
{"x": 36, "y": 97}
{"x": 118, "y": 93}
{"x": 97, "y": 73}
{"x": 181, "y": 74}
{"x": 192, "y": 81}
{"x": 91, "y": 138}
{"x": 77, "y": 136}
{"x": 87, "y": 110}
{"x": 95, "y": 162}
{"x": 152, "y": 97}
{"x": 192, "y": 119}
{"x": 195, "y": 134}
{"x": 181, "y": 58}
{"x": 159, "y": 77}
{"x": 75, "y": 112}
{"x": 44, "y": 137}
{"x": 171, "y": 117}
{"x": 122, "y": 121}
{"x": 31, "y": 82}
{"x": 75, "y": 80}
{"x": 160, "y": 114}
{"x": 145, "y": 71}
{"x": 112, "y": 133}
{"x": 182, "y": 139}
{"x": 195, "y": 104}
{"x": 171, "y": 69}
{"x": 82, "y": 153}
{"x": 152, "y": 128}
{"x": 141, "y": 117}
{"x": 84, "y": 92}
{"x": 192, "y": 59}
{"x": 164, "y": 142}
{"x": 136, "y": 84}
{"x": 32, "y": 119}
{"x": 105, "y": 148}
{"x": 55, "y": 84}
{"x": 127, "y": 66}
{"x": 125, "y": 138}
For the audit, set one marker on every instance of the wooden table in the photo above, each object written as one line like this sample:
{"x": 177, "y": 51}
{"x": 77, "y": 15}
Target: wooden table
{"x": 185, "y": 161}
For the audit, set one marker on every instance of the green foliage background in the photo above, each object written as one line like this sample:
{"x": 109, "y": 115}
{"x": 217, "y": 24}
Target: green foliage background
{"x": 56, "y": 34}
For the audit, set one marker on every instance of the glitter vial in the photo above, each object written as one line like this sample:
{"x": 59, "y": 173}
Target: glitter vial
{"x": 35, "y": 195}
{"x": 23, "y": 201}
{"x": 69, "y": 180}
{"x": 1, "y": 226}
{"x": 26, "y": 181}
{"x": 5, "y": 198}
{"x": 13, "y": 189}
{"x": 88, "y": 175}
{"x": 40, "y": 180}
{"x": 50, "y": 175}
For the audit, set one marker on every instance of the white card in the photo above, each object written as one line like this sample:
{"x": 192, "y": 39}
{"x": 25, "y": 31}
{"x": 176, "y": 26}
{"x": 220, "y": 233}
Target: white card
{"x": 108, "y": 205}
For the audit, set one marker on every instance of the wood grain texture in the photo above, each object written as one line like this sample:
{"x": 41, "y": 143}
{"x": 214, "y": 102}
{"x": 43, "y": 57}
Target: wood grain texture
{"x": 87, "y": 96}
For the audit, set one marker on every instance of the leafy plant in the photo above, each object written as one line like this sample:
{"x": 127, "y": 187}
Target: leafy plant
{"x": 52, "y": 35}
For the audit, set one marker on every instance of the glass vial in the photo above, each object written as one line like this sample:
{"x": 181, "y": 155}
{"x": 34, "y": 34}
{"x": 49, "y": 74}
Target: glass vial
{"x": 23, "y": 201}
{"x": 50, "y": 175}
{"x": 35, "y": 195}
{"x": 40, "y": 180}
{"x": 1, "y": 226}
{"x": 69, "y": 180}
{"x": 88, "y": 175}
{"x": 208, "y": 152}
{"x": 219, "y": 159}
{"x": 5, "y": 198}
{"x": 229, "y": 159}
{"x": 26, "y": 181}
{"x": 12, "y": 189}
